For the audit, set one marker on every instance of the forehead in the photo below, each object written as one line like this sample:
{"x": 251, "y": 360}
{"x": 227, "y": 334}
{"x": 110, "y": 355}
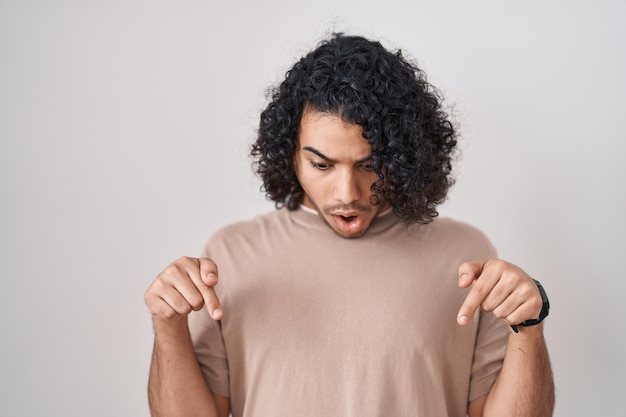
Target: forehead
{"x": 330, "y": 134}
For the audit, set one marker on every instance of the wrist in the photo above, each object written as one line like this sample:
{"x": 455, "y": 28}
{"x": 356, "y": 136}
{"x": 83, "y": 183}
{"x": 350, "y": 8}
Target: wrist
{"x": 172, "y": 328}
{"x": 529, "y": 332}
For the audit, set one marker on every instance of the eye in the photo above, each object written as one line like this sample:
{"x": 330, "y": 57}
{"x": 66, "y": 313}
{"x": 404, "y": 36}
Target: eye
{"x": 368, "y": 167}
{"x": 321, "y": 166}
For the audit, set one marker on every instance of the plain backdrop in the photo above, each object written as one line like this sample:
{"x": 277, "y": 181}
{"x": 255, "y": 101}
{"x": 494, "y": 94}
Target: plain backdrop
{"x": 125, "y": 128}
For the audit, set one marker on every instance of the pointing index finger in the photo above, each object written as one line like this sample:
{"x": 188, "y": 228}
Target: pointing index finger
{"x": 482, "y": 281}
{"x": 208, "y": 280}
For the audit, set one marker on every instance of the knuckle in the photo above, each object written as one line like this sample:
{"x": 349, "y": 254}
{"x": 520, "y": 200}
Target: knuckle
{"x": 480, "y": 292}
{"x": 497, "y": 264}
{"x": 197, "y": 302}
{"x": 153, "y": 290}
{"x": 179, "y": 265}
{"x": 169, "y": 314}
{"x": 159, "y": 310}
{"x": 528, "y": 290}
{"x": 537, "y": 306}
{"x": 182, "y": 307}
{"x": 170, "y": 271}
{"x": 499, "y": 313}
{"x": 522, "y": 281}
{"x": 487, "y": 306}
{"x": 147, "y": 298}
{"x": 156, "y": 284}
{"x": 514, "y": 318}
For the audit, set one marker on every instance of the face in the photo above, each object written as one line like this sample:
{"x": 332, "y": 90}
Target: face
{"x": 334, "y": 167}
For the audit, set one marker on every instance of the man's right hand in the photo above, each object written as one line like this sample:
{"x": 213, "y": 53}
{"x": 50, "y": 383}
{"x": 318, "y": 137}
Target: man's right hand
{"x": 185, "y": 285}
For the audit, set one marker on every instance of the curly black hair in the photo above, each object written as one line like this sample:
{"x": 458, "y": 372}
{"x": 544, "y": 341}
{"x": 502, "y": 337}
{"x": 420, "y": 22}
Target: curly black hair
{"x": 401, "y": 114}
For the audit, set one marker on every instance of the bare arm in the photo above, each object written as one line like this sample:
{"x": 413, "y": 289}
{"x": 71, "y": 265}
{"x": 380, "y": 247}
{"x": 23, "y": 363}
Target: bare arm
{"x": 524, "y": 387}
{"x": 176, "y": 386}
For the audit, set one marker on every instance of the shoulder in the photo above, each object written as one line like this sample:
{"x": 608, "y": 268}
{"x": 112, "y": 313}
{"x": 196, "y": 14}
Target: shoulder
{"x": 251, "y": 225}
{"x": 247, "y": 231}
{"x": 454, "y": 228}
{"x": 453, "y": 235}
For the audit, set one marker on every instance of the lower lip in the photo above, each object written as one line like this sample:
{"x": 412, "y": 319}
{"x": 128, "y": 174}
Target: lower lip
{"x": 345, "y": 226}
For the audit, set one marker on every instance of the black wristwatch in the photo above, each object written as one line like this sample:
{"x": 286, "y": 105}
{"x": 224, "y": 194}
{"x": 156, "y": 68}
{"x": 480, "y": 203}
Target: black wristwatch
{"x": 545, "y": 309}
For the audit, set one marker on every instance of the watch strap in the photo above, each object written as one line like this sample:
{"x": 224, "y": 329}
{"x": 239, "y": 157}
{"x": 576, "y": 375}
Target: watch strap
{"x": 545, "y": 309}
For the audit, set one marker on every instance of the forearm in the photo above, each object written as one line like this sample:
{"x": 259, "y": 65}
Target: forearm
{"x": 176, "y": 386}
{"x": 525, "y": 386}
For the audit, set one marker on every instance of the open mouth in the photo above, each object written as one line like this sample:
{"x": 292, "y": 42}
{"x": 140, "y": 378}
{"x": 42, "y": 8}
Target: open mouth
{"x": 348, "y": 224}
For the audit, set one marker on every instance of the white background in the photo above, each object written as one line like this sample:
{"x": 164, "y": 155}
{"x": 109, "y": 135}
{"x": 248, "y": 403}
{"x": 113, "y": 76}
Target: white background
{"x": 125, "y": 128}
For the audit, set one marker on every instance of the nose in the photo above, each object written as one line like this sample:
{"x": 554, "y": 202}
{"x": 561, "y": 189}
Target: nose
{"x": 346, "y": 187}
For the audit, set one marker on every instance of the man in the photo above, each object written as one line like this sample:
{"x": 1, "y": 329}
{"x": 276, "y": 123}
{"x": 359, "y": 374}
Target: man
{"x": 351, "y": 299}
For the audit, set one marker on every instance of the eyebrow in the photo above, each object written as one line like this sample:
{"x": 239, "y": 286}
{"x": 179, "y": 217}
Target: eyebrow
{"x": 327, "y": 159}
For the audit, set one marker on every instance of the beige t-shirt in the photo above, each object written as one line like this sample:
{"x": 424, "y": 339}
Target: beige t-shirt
{"x": 318, "y": 325}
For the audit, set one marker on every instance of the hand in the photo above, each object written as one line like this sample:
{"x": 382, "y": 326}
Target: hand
{"x": 185, "y": 285}
{"x": 501, "y": 288}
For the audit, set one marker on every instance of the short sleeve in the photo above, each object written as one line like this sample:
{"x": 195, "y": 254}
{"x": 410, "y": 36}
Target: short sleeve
{"x": 208, "y": 344}
{"x": 488, "y": 354}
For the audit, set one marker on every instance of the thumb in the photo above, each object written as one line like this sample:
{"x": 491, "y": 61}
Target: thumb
{"x": 208, "y": 272}
{"x": 469, "y": 271}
